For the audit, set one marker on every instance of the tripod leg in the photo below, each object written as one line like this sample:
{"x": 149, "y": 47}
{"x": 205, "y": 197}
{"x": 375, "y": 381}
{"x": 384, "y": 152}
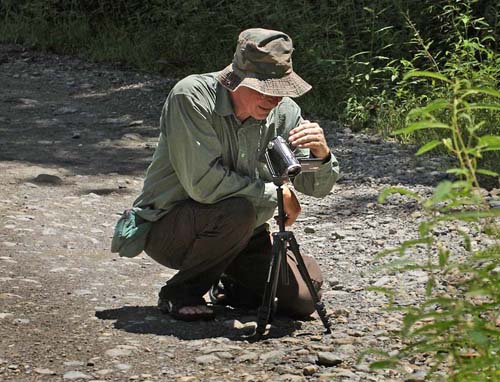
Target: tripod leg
{"x": 320, "y": 307}
{"x": 266, "y": 309}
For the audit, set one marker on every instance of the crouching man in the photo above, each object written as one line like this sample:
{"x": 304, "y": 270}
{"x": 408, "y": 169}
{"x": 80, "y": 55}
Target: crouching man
{"x": 208, "y": 194}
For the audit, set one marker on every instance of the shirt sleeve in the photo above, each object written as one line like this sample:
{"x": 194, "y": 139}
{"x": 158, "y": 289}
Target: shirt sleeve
{"x": 319, "y": 183}
{"x": 195, "y": 154}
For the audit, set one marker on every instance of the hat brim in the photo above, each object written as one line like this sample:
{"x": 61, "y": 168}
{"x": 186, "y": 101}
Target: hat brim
{"x": 291, "y": 85}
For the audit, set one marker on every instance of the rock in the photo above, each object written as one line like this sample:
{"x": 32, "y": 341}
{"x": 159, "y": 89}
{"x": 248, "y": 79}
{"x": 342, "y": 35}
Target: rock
{"x": 71, "y": 375}
{"x": 309, "y": 229}
{"x": 123, "y": 366}
{"x": 382, "y": 281}
{"x": 136, "y": 123}
{"x": 48, "y": 179}
{"x": 329, "y": 359}
{"x": 207, "y": 359}
{"x": 73, "y": 363}
{"x": 247, "y": 357}
{"x": 310, "y": 370}
{"x": 120, "y": 351}
{"x": 42, "y": 371}
{"x": 65, "y": 110}
{"x": 274, "y": 356}
{"x": 345, "y": 373}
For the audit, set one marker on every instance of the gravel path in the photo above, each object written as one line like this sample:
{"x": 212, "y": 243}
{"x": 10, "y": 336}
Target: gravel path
{"x": 75, "y": 140}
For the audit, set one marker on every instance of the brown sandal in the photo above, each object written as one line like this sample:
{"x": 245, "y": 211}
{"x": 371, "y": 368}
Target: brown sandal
{"x": 173, "y": 309}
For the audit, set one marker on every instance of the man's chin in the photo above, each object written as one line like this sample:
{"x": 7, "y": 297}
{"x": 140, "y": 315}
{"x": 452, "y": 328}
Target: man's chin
{"x": 262, "y": 115}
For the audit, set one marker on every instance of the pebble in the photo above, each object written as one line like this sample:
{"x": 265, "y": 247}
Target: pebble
{"x": 330, "y": 359}
{"x": 207, "y": 359}
{"x": 42, "y": 371}
{"x": 310, "y": 370}
{"x": 120, "y": 351}
{"x": 274, "y": 356}
{"x": 48, "y": 179}
{"x": 123, "y": 366}
{"x": 65, "y": 110}
{"x": 71, "y": 375}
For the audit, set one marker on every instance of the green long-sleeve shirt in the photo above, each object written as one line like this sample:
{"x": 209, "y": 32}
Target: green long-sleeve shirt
{"x": 206, "y": 154}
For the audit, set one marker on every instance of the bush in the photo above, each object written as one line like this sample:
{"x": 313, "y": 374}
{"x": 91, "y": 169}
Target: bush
{"x": 457, "y": 328}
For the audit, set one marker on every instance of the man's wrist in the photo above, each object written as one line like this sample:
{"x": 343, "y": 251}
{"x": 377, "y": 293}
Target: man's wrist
{"x": 326, "y": 159}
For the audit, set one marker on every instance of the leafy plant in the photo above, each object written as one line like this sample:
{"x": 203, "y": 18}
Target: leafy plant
{"x": 458, "y": 327}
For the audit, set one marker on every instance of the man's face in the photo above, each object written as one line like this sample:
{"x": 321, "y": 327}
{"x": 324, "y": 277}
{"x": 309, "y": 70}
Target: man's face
{"x": 258, "y": 105}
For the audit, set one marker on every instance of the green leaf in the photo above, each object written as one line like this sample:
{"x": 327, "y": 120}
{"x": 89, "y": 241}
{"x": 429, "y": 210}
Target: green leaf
{"x": 485, "y": 106}
{"x": 448, "y": 143}
{"x": 429, "y": 108}
{"x": 386, "y": 364}
{"x": 420, "y": 126}
{"x": 443, "y": 257}
{"x": 428, "y": 146}
{"x": 478, "y": 337}
{"x": 417, "y": 73}
{"x": 442, "y": 191}
{"x": 490, "y": 142}
{"x": 488, "y": 91}
{"x": 472, "y": 129}
{"x": 457, "y": 171}
{"x": 487, "y": 172}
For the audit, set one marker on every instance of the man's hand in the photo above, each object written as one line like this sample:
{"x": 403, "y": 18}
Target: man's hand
{"x": 291, "y": 206}
{"x": 311, "y": 136}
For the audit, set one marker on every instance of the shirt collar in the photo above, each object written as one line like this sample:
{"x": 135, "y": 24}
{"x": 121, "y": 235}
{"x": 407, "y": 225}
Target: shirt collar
{"x": 223, "y": 105}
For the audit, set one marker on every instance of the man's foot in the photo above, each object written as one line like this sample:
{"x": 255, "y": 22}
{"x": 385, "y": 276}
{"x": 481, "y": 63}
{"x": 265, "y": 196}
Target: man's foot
{"x": 189, "y": 312}
{"x": 218, "y": 296}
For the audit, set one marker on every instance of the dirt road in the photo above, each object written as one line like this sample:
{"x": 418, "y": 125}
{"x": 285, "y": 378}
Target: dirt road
{"x": 75, "y": 140}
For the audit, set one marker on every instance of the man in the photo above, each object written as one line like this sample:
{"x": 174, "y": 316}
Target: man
{"x": 208, "y": 192}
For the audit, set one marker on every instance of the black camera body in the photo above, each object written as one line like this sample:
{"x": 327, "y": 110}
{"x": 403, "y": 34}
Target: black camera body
{"x": 281, "y": 161}
{"x": 283, "y": 164}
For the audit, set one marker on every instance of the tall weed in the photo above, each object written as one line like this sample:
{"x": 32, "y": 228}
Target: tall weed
{"x": 456, "y": 324}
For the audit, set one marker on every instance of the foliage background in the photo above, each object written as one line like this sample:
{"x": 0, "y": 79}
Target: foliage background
{"x": 343, "y": 48}
{"x": 355, "y": 53}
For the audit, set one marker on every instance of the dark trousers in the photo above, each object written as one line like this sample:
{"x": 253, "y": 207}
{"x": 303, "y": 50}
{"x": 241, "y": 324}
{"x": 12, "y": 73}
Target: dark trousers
{"x": 209, "y": 242}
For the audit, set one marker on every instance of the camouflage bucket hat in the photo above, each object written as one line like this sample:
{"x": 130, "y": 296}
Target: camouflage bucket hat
{"x": 263, "y": 62}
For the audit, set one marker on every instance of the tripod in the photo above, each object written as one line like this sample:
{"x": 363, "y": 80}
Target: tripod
{"x": 283, "y": 240}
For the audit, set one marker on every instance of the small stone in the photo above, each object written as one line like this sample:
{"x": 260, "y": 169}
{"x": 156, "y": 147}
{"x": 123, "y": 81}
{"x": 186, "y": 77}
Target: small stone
{"x": 120, "y": 351}
{"x": 310, "y": 370}
{"x": 329, "y": 359}
{"x": 48, "y": 179}
{"x": 136, "y": 123}
{"x": 274, "y": 356}
{"x": 382, "y": 281}
{"x": 73, "y": 363}
{"x": 417, "y": 376}
{"x": 41, "y": 371}
{"x": 123, "y": 366}
{"x": 75, "y": 375}
{"x": 309, "y": 229}
{"x": 207, "y": 359}
{"x": 247, "y": 357}
{"x": 104, "y": 372}
{"x": 65, "y": 110}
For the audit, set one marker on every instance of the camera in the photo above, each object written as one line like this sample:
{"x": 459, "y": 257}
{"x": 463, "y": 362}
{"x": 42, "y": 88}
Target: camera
{"x": 280, "y": 159}
{"x": 282, "y": 162}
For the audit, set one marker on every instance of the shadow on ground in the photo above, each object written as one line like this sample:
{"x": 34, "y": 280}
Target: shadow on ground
{"x": 148, "y": 320}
